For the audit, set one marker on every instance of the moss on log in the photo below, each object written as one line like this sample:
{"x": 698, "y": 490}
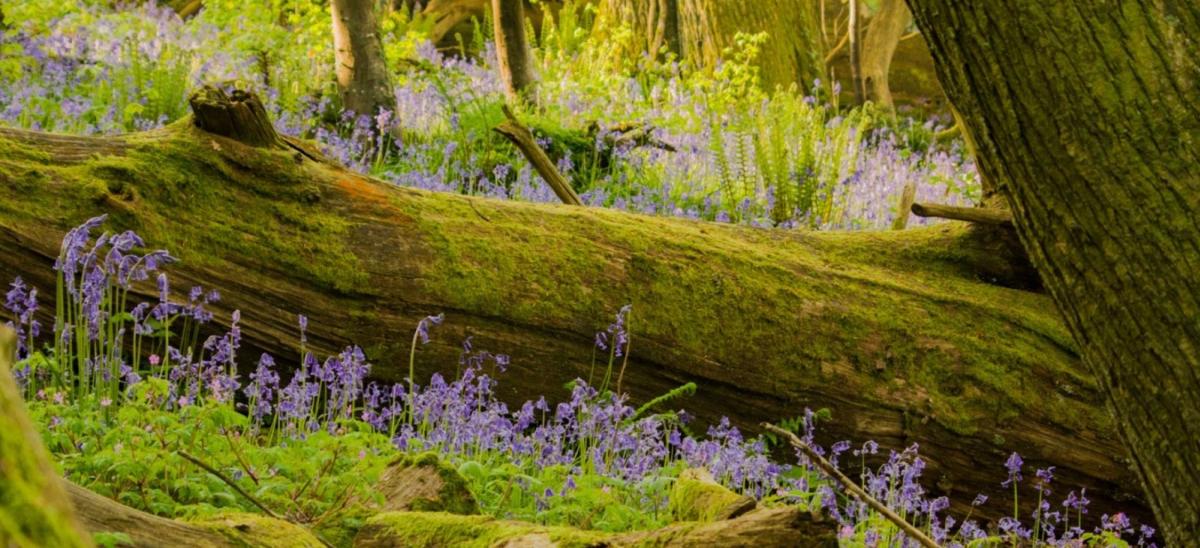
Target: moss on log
{"x": 34, "y": 508}
{"x": 100, "y": 514}
{"x": 782, "y": 527}
{"x": 894, "y": 331}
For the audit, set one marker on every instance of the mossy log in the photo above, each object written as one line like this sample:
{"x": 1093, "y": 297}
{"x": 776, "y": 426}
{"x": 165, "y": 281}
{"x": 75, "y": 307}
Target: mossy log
{"x": 765, "y": 528}
{"x": 896, "y": 332}
{"x": 34, "y": 508}
{"x": 102, "y": 514}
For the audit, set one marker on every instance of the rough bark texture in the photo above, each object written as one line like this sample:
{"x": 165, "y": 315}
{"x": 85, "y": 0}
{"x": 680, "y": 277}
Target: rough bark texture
{"x": 238, "y": 115}
{"x": 1087, "y": 115}
{"x": 704, "y": 28}
{"x": 879, "y": 45}
{"x": 361, "y": 68}
{"x": 895, "y": 332}
{"x": 34, "y": 508}
{"x": 512, "y": 50}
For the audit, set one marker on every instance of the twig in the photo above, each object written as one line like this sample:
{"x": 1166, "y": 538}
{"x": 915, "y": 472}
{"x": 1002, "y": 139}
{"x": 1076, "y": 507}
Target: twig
{"x": 241, "y": 460}
{"x": 228, "y": 482}
{"x": 523, "y": 139}
{"x": 830, "y": 470}
{"x": 981, "y": 215}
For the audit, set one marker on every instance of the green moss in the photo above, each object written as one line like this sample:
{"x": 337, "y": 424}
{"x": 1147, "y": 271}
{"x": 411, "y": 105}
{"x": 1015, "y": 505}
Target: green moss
{"x": 258, "y": 205}
{"x": 810, "y": 309}
{"x": 454, "y": 496}
{"x": 694, "y": 499}
{"x": 34, "y": 511}
{"x": 438, "y": 529}
{"x": 253, "y": 530}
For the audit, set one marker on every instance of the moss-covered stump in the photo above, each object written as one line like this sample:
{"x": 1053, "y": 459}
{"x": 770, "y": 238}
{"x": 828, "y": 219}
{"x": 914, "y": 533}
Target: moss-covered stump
{"x": 695, "y": 496}
{"x": 100, "y": 514}
{"x": 34, "y": 508}
{"x": 425, "y": 483}
{"x": 894, "y": 331}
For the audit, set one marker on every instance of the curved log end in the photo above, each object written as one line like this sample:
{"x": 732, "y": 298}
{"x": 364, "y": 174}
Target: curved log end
{"x": 238, "y": 115}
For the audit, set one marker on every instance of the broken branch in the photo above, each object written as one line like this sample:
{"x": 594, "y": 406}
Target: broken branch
{"x": 858, "y": 492}
{"x": 981, "y": 215}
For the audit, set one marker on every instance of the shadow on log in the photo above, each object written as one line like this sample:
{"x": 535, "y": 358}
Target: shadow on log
{"x": 893, "y": 331}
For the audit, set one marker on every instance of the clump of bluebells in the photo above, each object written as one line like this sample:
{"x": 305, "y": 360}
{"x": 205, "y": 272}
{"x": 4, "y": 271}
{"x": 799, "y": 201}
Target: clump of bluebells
{"x": 118, "y": 412}
{"x": 736, "y": 153}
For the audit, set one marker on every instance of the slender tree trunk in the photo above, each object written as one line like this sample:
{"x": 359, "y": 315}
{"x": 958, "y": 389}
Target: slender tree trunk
{"x": 879, "y": 45}
{"x": 699, "y": 31}
{"x": 765, "y": 322}
{"x": 512, "y": 49}
{"x": 853, "y": 47}
{"x": 361, "y": 69}
{"x": 1087, "y": 114}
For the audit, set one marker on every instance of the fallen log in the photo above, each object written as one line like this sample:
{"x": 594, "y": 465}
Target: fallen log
{"x": 100, "y": 514}
{"x": 896, "y": 332}
{"x": 763, "y": 528}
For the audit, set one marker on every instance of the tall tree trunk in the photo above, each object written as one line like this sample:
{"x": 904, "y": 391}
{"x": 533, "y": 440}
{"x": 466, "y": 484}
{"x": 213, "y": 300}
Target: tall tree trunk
{"x": 361, "y": 69}
{"x": 512, "y": 50}
{"x": 34, "y": 508}
{"x": 703, "y": 29}
{"x": 853, "y": 50}
{"x": 1087, "y": 114}
{"x": 765, "y": 322}
{"x": 879, "y": 45}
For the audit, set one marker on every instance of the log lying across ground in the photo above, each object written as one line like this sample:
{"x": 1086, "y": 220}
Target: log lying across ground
{"x": 897, "y": 332}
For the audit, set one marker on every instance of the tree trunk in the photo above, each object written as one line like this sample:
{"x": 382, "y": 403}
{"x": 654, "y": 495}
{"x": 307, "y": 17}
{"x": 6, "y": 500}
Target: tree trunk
{"x": 361, "y": 69}
{"x": 1086, "y": 115}
{"x": 893, "y": 331}
{"x": 34, "y": 508}
{"x": 852, "y": 49}
{"x": 700, "y": 30}
{"x": 512, "y": 50}
{"x": 883, "y": 35}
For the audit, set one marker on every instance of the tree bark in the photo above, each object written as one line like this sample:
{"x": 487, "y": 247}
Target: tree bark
{"x": 34, "y": 509}
{"x": 879, "y": 45}
{"x": 700, "y": 30}
{"x": 512, "y": 50}
{"x": 894, "y": 332}
{"x": 361, "y": 69}
{"x": 1087, "y": 116}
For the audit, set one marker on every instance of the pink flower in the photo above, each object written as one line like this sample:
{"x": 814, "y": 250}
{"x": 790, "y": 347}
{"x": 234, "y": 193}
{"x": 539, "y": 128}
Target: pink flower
{"x": 154, "y": 359}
